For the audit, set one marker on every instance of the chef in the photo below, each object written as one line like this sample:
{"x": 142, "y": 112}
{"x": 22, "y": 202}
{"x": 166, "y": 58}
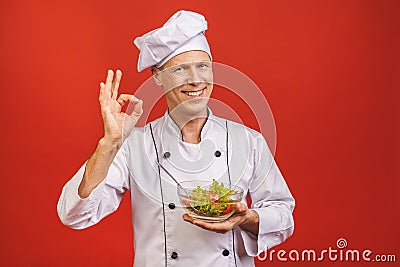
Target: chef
{"x": 191, "y": 143}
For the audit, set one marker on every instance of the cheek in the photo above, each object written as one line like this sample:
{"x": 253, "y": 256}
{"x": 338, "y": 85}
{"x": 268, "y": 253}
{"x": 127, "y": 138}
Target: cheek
{"x": 209, "y": 89}
{"x": 172, "y": 94}
{"x": 171, "y": 83}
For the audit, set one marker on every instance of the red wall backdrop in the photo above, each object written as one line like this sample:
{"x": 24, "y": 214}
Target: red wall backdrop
{"x": 329, "y": 69}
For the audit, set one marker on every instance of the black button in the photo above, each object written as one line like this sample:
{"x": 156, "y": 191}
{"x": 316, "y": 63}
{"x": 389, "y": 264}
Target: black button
{"x": 167, "y": 155}
{"x": 174, "y": 255}
{"x": 171, "y": 206}
{"x": 225, "y": 252}
{"x": 217, "y": 153}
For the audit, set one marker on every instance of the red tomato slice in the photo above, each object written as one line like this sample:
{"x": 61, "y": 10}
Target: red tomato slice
{"x": 228, "y": 209}
{"x": 214, "y": 198}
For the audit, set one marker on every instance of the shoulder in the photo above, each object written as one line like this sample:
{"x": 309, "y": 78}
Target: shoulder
{"x": 235, "y": 127}
{"x": 244, "y": 136}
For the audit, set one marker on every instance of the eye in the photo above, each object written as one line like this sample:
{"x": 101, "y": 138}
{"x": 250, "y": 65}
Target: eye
{"x": 178, "y": 69}
{"x": 203, "y": 65}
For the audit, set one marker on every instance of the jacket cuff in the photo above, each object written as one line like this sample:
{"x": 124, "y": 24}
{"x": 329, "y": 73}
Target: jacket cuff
{"x": 271, "y": 232}
{"x": 73, "y": 205}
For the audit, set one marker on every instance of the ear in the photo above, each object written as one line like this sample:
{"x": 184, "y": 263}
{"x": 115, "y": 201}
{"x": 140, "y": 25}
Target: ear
{"x": 156, "y": 75}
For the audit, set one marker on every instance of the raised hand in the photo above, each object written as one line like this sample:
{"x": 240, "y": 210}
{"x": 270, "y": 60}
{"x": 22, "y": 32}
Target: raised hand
{"x": 117, "y": 124}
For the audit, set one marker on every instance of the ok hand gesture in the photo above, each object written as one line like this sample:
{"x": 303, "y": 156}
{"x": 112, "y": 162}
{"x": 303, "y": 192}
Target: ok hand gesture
{"x": 117, "y": 124}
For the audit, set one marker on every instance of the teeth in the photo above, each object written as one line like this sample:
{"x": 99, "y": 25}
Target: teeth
{"x": 197, "y": 93}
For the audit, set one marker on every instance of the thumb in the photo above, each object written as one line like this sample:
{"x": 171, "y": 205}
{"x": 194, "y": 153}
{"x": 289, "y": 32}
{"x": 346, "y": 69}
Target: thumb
{"x": 241, "y": 207}
{"x": 135, "y": 108}
{"x": 138, "y": 108}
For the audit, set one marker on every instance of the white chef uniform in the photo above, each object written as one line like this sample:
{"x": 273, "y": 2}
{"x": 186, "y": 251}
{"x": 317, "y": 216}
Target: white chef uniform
{"x": 228, "y": 152}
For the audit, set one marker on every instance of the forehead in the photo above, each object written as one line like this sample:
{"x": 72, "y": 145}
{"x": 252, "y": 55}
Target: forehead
{"x": 187, "y": 57}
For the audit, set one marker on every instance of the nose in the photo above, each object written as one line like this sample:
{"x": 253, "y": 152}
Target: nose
{"x": 194, "y": 76}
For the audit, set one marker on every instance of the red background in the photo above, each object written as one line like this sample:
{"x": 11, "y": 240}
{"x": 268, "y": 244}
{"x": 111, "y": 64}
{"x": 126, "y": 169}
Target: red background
{"x": 329, "y": 69}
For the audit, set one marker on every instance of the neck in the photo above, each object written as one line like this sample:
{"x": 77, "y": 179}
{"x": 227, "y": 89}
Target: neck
{"x": 190, "y": 124}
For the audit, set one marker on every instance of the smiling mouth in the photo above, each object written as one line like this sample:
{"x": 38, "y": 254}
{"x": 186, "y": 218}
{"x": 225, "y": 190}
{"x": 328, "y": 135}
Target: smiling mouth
{"x": 194, "y": 93}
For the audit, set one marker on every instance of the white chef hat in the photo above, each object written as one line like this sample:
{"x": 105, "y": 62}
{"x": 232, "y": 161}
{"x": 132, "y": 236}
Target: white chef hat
{"x": 183, "y": 32}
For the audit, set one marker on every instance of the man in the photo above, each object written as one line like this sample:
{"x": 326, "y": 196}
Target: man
{"x": 192, "y": 144}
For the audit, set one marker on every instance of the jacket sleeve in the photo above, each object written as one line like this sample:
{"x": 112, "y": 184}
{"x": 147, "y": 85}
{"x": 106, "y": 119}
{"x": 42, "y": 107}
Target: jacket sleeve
{"x": 79, "y": 213}
{"x": 272, "y": 200}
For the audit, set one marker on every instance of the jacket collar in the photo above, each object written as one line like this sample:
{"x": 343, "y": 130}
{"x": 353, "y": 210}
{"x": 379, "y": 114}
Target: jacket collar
{"x": 172, "y": 127}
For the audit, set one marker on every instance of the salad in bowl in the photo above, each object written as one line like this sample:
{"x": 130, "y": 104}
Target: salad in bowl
{"x": 212, "y": 202}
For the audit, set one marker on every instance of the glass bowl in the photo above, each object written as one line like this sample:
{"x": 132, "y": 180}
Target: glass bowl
{"x": 209, "y": 201}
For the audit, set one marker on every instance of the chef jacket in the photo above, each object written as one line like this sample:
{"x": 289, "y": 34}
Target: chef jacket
{"x": 228, "y": 152}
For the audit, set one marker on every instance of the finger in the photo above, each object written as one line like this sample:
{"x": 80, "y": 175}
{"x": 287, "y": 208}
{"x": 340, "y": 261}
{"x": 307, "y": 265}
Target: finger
{"x": 108, "y": 84}
{"x": 125, "y": 98}
{"x": 241, "y": 208}
{"x": 103, "y": 95}
{"x": 220, "y": 228}
{"x": 135, "y": 107}
{"x": 187, "y": 218}
{"x": 115, "y": 85}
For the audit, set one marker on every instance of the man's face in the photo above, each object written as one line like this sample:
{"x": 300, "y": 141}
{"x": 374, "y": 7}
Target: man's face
{"x": 188, "y": 81}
